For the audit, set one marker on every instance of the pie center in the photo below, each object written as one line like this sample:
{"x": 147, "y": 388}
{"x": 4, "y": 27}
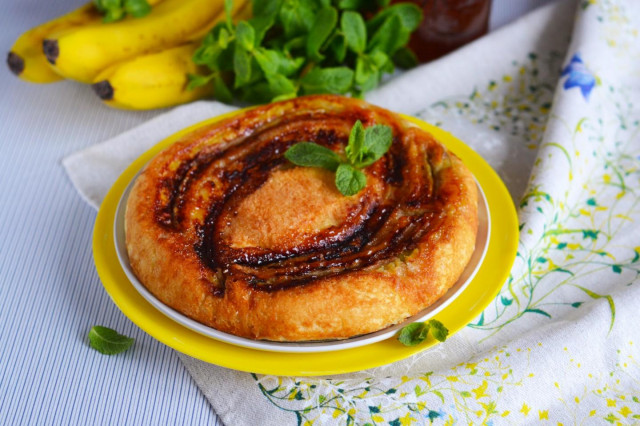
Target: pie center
{"x": 292, "y": 206}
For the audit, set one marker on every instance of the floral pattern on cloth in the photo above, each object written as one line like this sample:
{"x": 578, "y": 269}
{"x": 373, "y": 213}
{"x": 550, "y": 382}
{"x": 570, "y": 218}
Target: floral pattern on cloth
{"x": 560, "y": 341}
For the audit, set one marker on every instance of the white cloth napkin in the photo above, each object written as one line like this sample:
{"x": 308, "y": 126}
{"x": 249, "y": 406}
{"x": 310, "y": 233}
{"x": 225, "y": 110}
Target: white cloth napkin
{"x": 550, "y": 103}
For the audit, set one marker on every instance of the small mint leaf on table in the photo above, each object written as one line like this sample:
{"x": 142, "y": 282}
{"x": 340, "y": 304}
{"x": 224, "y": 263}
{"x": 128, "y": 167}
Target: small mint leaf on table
{"x": 108, "y": 341}
{"x": 413, "y": 333}
{"x": 349, "y": 180}
{"x": 309, "y": 154}
{"x": 417, "y": 332}
{"x": 438, "y": 330}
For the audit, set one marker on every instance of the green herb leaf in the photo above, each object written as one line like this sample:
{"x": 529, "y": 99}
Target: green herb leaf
{"x": 137, "y": 8}
{"x": 413, "y": 334}
{"x": 265, "y": 13}
{"x": 223, "y": 38}
{"x": 356, "y": 142}
{"x": 281, "y": 87}
{"x": 322, "y": 28}
{"x": 220, "y": 89}
{"x": 377, "y": 140}
{"x": 438, "y": 330}
{"x": 108, "y": 341}
{"x": 355, "y": 31}
{"x": 338, "y": 48}
{"x": 297, "y": 17}
{"x": 351, "y": 4}
{"x": 245, "y": 36}
{"x": 405, "y": 58}
{"x": 198, "y": 80}
{"x": 113, "y": 15}
{"x": 389, "y": 36}
{"x": 241, "y": 65}
{"x": 336, "y": 80}
{"x": 367, "y": 73}
{"x": 417, "y": 332}
{"x": 409, "y": 14}
{"x": 228, "y": 8}
{"x": 349, "y": 180}
{"x": 115, "y": 10}
{"x": 293, "y": 47}
{"x": 309, "y": 154}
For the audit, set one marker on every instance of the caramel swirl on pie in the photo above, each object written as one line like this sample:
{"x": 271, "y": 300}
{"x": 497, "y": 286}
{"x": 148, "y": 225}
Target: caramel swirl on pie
{"x": 221, "y": 227}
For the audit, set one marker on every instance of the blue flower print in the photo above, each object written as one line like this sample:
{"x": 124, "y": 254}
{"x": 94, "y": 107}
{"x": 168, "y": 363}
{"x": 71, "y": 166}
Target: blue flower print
{"x": 579, "y": 76}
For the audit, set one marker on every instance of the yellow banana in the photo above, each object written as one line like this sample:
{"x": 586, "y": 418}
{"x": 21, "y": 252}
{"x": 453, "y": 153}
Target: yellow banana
{"x": 82, "y": 53}
{"x": 26, "y": 59}
{"x": 157, "y": 80}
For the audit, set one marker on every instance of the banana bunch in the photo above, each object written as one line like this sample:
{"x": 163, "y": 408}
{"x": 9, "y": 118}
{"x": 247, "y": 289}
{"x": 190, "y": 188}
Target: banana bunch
{"x": 135, "y": 63}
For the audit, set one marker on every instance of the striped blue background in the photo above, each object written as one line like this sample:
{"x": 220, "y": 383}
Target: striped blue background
{"x": 50, "y": 294}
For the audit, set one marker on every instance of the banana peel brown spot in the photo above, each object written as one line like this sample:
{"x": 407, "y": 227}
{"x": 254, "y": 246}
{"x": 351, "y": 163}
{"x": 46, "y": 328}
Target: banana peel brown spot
{"x": 103, "y": 89}
{"x": 51, "y": 50}
{"x": 15, "y": 63}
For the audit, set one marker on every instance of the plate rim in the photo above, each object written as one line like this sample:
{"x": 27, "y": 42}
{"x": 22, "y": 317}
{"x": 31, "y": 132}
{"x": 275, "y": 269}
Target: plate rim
{"x": 499, "y": 258}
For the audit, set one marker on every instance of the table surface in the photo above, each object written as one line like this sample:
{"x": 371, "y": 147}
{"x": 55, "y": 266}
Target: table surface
{"x": 50, "y": 294}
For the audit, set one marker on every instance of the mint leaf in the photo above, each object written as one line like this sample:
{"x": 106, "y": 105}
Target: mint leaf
{"x": 137, "y": 8}
{"x": 281, "y": 87}
{"x": 276, "y": 62}
{"x": 349, "y": 180}
{"x": 338, "y": 48}
{"x": 108, "y": 341}
{"x": 409, "y": 14}
{"x": 112, "y": 15}
{"x": 389, "y": 37}
{"x": 336, "y": 80}
{"x": 245, "y": 36}
{"x": 309, "y": 154}
{"x": 265, "y": 13}
{"x": 323, "y": 26}
{"x": 405, "y": 58}
{"x": 296, "y": 17}
{"x": 223, "y": 38}
{"x": 367, "y": 73}
{"x": 228, "y": 7}
{"x": 417, "y": 332}
{"x": 377, "y": 140}
{"x": 241, "y": 65}
{"x": 356, "y": 142}
{"x": 115, "y": 10}
{"x": 413, "y": 333}
{"x": 355, "y": 31}
{"x": 220, "y": 90}
{"x": 198, "y": 80}
{"x": 438, "y": 330}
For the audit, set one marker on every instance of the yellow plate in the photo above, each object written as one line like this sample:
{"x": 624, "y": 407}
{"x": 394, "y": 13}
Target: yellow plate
{"x": 493, "y": 272}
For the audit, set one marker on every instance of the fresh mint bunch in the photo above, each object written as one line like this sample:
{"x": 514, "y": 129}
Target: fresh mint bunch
{"x": 300, "y": 47}
{"x": 114, "y": 10}
{"x": 108, "y": 341}
{"x": 417, "y": 332}
{"x": 365, "y": 147}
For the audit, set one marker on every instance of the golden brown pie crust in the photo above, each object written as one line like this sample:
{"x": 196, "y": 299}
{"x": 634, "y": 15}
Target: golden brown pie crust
{"x": 222, "y": 228}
